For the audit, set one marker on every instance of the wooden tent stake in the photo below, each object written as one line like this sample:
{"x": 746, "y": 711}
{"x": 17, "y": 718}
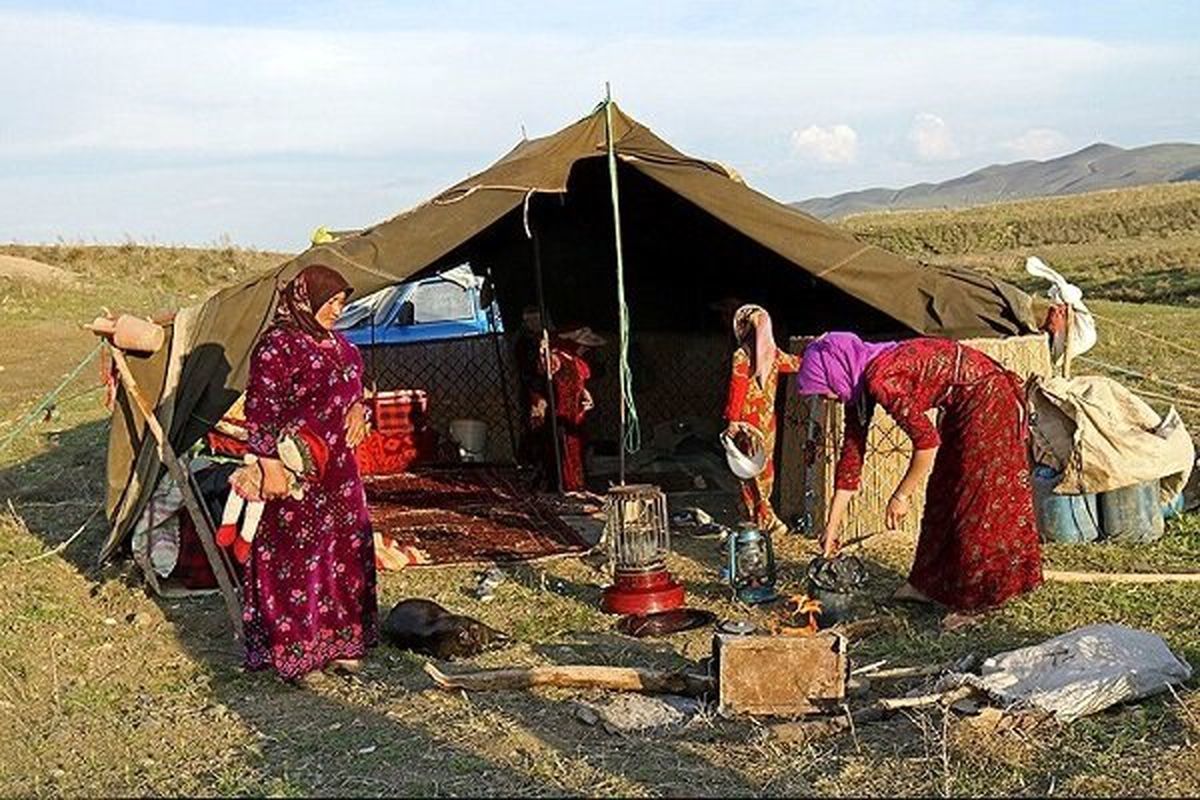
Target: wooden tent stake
{"x": 166, "y": 454}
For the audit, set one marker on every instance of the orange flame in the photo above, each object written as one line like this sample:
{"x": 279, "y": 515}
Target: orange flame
{"x": 799, "y": 604}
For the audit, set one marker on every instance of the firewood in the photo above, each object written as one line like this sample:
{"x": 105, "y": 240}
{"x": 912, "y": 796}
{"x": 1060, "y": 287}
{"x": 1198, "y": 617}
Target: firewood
{"x": 619, "y": 679}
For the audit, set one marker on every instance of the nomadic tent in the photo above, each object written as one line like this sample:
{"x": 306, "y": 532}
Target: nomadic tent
{"x": 693, "y": 233}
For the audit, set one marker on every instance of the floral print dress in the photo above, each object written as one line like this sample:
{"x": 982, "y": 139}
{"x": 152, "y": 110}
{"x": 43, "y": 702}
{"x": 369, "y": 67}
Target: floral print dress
{"x": 309, "y": 589}
{"x": 755, "y": 405}
{"x": 979, "y": 543}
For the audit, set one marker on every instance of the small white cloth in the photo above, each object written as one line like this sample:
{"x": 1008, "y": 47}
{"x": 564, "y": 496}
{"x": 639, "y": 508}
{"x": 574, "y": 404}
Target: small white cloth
{"x": 1081, "y": 336}
{"x": 1082, "y": 672}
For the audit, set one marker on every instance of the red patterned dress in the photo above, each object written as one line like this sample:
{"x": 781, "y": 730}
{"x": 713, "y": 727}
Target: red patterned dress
{"x": 570, "y": 392}
{"x": 979, "y": 543}
{"x": 755, "y": 405}
{"x": 310, "y": 584}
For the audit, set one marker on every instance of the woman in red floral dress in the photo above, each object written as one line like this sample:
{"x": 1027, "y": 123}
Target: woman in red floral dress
{"x": 750, "y": 409}
{"x": 979, "y": 545}
{"x": 310, "y": 583}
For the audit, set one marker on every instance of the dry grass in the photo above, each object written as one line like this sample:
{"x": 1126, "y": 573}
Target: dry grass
{"x": 111, "y": 692}
{"x": 1137, "y": 244}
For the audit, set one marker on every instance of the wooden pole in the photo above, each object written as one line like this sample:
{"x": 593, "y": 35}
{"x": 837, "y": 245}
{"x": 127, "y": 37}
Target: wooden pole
{"x": 618, "y": 679}
{"x": 167, "y": 455}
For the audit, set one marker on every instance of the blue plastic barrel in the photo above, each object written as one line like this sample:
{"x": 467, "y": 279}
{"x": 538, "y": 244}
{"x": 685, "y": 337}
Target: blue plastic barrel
{"x": 1173, "y": 508}
{"x": 1132, "y": 514}
{"x": 1063, "y": 518}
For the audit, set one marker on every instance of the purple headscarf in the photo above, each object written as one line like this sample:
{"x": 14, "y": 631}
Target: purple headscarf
{"x": 835, "y": 364}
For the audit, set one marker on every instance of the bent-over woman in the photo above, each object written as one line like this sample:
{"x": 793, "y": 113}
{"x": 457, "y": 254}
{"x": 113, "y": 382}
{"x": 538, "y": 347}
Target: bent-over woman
{"x": 978, "y": 545}
{"x": 310, "y": 582}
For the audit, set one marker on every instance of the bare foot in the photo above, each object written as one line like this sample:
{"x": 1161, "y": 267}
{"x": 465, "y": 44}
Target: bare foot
{"x": 348, "y": 666}
{"x": 957, "y": 620}
{"x": 909, "y": 594}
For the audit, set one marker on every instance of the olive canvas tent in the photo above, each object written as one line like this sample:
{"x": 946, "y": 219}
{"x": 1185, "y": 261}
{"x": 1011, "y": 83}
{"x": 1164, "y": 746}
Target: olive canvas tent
{"x": 693, "y": 233}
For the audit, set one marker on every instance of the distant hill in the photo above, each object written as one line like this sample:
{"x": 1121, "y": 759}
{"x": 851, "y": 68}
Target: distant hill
{"x": 1099, "y": 166}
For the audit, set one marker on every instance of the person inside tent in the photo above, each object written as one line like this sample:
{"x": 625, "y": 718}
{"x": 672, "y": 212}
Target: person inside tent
{"x": 750, "y": 409}
{"x": 978, "y": 545}
{"x": 569, "y": 374}
{"x": 309, "y": 589}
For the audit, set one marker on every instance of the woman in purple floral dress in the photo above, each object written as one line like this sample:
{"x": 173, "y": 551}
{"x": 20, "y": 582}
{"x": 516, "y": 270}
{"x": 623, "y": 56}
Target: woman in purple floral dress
{"x": 310, "y": 583}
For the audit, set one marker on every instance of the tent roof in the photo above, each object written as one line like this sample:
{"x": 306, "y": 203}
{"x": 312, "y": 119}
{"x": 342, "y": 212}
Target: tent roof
{"x": 211, "y": 343}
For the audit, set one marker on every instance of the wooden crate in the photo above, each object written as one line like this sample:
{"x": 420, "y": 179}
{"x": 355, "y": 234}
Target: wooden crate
{"x": 780, "y": 675}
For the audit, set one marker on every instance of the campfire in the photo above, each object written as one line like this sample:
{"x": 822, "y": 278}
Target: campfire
{"x": 801, "y": 617}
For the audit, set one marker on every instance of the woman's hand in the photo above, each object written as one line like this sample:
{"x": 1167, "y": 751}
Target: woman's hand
{"x": 831, "y": 542}
{"x": 537, "y": 412}
{"x": 356, "y": 424}
{"x": 897, "y": 510}
{"x": 275, "y": 478}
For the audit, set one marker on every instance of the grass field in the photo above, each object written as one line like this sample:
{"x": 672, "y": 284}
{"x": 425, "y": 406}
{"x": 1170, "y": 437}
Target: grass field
{"x": 104, "y": 690}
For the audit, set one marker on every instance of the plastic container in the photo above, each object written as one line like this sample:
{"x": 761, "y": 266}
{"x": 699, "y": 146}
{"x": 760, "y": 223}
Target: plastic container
{"x": 471, "y": 437}
{"x": 1174, "y": 507}
{"x": 1132, "y": 514}
{"x": 1063, "y": 518}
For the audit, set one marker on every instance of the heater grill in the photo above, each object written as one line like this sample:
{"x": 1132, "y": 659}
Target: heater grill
{"x": 636, "y": 528}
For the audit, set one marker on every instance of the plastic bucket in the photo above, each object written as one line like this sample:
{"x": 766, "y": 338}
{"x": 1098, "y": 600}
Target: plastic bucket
{"x": 471, "y": 437}
{"x": 1132, "y": 514}
{"x": 1063, "y": 518}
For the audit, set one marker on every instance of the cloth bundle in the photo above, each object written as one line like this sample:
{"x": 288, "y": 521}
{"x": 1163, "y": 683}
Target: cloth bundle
{"x": 304, "y": 456}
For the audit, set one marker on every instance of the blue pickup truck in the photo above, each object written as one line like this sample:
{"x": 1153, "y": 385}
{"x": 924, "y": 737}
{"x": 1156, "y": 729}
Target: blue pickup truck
{"x": 449, "y": 305}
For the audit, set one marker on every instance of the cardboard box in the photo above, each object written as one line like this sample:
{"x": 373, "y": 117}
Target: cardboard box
{"x": 780, "y": 675}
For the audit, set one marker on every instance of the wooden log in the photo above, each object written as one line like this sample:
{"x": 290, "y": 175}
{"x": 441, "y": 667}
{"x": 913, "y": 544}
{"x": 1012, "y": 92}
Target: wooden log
{"x": 617, "y": 679}
{"x": 1063, "y": 576}
{"x": 166, "y": 455}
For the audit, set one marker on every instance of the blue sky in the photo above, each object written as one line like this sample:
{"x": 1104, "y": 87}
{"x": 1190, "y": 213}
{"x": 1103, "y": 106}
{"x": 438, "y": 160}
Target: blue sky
{"x": 189, "y": 122}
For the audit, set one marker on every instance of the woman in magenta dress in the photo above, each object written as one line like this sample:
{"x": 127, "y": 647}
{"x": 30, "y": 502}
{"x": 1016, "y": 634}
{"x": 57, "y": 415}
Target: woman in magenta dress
{"x": 309, "y": 589}
{"x": 978, "y": 545}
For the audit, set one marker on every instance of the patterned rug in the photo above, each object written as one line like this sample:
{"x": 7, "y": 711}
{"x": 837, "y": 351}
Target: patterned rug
{"x": 464, "y": 515}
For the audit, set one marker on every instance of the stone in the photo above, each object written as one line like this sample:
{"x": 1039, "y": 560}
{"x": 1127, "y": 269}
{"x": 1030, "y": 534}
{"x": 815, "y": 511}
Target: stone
{"x": 636, "y": 713}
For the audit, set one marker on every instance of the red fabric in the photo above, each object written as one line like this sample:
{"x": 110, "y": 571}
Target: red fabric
{"x": 978, "y": 545}
{"x": 226, "y": 445}
{"x": 390, "y": 453}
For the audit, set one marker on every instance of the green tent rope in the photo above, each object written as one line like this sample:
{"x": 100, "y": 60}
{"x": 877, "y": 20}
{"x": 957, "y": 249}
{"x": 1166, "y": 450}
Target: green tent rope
{"x": 632, "y": 427}
{"x": 48, "y": 400}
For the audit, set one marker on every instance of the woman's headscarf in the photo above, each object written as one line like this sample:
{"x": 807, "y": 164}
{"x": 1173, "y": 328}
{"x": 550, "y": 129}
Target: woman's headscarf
{"x": 303, "y": 296}
{"x": 836, "y": 364}
{"x": 752, "y": 328}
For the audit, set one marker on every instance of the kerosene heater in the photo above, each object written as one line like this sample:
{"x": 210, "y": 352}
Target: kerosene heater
{"x": 638, "y": 543}
{"x": 751, "y": 566}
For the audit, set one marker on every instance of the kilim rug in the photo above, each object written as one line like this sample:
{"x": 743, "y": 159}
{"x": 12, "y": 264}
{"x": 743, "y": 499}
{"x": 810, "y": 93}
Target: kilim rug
{"x": 464, "y": 515}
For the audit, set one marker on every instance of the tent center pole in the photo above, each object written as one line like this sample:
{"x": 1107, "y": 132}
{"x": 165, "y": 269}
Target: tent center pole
{"x": 628, "y": 436}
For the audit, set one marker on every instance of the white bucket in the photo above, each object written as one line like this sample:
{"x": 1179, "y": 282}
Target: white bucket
{"x": 471, "y": 437}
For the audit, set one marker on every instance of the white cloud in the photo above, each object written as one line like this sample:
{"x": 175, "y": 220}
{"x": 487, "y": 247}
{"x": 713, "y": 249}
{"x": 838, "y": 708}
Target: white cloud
{"x": 931, "y": 138}
{"x": 92, "y": 104}
{"x": 837, "y": 144}
{"x": 1039, "y": 143}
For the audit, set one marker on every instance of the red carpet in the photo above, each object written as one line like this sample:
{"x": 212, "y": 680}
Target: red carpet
{"x": 465, "y": 515}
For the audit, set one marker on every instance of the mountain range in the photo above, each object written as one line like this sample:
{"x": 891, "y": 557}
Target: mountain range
{"x": 1098, "y": 166}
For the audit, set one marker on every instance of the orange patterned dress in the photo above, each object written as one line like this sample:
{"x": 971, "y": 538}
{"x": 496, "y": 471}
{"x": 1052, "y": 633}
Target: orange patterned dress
{"x": 755, "y": 405}
{"x": 979, "y": 543}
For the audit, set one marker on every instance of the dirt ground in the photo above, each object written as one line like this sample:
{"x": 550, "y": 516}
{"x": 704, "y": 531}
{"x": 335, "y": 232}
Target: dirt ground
{"x": 105, "y": 690}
